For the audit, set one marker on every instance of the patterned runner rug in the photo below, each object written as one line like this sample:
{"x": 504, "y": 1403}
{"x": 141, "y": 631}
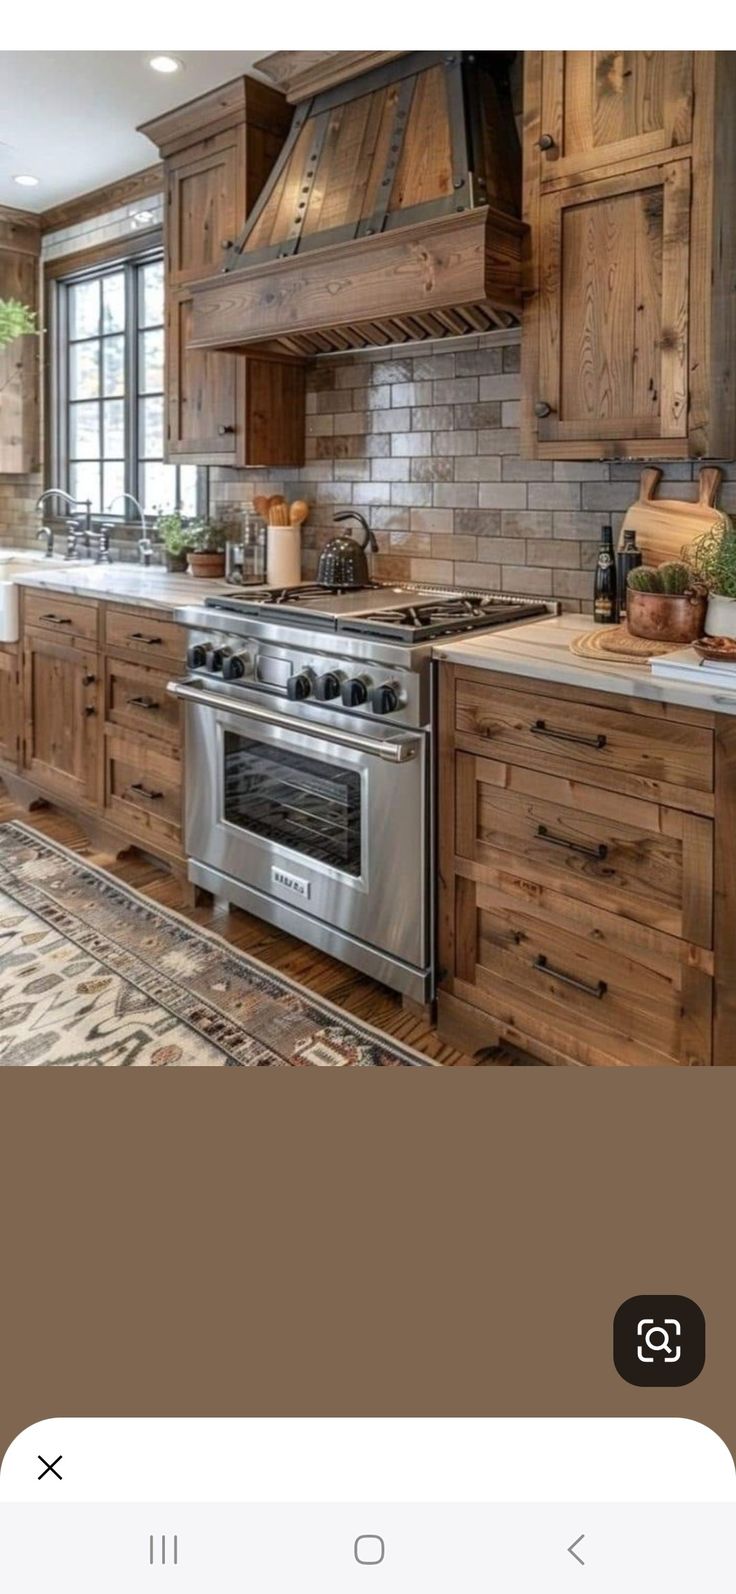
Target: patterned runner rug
{"x": 92, "y": 974}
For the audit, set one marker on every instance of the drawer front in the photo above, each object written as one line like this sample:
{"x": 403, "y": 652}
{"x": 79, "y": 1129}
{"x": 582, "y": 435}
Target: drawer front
{"x": 143, "y": 792}
{"x": 64, "y": 617}
{"x": 627, "y": 856}
{"x": 143, "y": 634}
{"x": 596, "y": 744}
{"x": 137, "y": 699}
{"x": 571, "y": 991}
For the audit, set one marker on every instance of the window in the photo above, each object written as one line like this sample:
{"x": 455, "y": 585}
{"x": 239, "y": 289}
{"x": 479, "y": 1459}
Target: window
{"x": 110, "y": 392}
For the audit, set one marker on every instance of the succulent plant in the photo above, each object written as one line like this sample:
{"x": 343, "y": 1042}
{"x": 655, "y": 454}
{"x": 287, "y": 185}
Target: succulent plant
{"x": 643, "y": 579}
{"x": 672, "y": 580}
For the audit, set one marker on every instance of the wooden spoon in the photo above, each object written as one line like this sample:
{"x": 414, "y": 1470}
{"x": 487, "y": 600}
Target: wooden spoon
{"x": 275, "y": 499}
{"x": 260, "y": 504}
{"x": 298, "y": 512}
{"x": 278, "y": 515}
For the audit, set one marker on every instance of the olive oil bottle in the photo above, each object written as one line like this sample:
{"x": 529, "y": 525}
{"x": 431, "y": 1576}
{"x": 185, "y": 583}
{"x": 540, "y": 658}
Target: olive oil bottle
{"x": 605, "y": 607}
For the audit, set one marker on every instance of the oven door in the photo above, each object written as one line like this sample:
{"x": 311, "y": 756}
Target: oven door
{"x": 309, "y": 812}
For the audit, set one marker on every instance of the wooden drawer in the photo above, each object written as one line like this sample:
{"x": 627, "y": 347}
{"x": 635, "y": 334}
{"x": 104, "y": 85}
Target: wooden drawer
{"x": 654, "y": 755}
{"x": 145, "y": 635}
{"x": 143, "y": 789}
{"x": 627, "y": 856}
{"x": 137, "y": 699}
{"x": 65, "y": 617}
{"x": 571, "y": 991}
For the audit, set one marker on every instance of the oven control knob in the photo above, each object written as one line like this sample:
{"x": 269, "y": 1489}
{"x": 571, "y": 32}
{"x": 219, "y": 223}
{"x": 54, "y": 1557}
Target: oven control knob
{"x": 235, "y": 666}
{"x": 327, "y": 686}
{"x": 197, "y": 656}
{"x": 215, "y": 659}
{"x": 355, "y": 692}
{"x": 299, "y": 686}
{"x": 384, "y": 699}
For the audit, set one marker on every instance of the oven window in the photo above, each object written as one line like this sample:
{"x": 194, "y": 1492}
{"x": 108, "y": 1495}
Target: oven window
{"x": 306, "y": 805}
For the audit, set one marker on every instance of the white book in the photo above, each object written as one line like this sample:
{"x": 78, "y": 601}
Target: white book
{"x": 686, "y": 665}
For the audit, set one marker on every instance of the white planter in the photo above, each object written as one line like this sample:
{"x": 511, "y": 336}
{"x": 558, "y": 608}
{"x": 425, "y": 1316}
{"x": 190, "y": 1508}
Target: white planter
{"x": 720, "y": 619}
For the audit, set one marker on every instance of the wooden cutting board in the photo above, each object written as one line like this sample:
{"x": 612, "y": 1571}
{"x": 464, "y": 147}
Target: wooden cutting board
{"x": 665, "y": 526}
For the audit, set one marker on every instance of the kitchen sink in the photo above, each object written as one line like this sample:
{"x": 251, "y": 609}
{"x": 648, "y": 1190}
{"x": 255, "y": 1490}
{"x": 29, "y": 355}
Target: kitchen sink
{"x": 15, "y": 562}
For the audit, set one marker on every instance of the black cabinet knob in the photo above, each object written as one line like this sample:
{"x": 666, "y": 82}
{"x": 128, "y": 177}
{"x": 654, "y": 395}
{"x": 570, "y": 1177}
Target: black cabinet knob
{"x": 354, "y": 692}
{"x": 298, "y": 687}
{"x": 384, "y": 699}
{"x": 327, "y": 686}
{"x": 215, "y": 659}
{"x": 234, "y": 666}
{"x": 542, "y": 410}
{"x": 545, "y": 141}
{"x": 197, "y": 656}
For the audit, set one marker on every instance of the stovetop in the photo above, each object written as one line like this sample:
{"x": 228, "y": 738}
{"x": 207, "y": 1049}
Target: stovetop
{"x": 399, "y": 614}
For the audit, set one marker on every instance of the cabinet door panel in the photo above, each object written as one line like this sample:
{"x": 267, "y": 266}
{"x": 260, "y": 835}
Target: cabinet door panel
{"x": 9, "y": 706}
{"x": 206, "y": 205}
{"x": 614, "y": 285}
{"x": 61, "y": 701}
{"x": 205, "y": 394}
{"x": 602, "y": 106}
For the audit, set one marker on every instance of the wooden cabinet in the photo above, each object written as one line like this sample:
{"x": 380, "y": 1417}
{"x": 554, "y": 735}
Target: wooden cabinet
{"x": 586, "y": 850}
{"x": 100, "y": 734}
{"x": 20, "y": 247}
{"x": 223, "y": 408}
{"x": 61, "y": 718}
{"x": 600, "y": 106}
{"x": 9, "y": 705}
{"x": 629, "y": 320}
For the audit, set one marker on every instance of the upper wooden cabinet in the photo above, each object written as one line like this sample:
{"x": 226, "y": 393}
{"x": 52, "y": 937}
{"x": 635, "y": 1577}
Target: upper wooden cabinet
{"x": 218, "y": 152}
{"x": 629, "y": 317}
{"x": 20, "y": 246}
{"x": 600, "y": 106}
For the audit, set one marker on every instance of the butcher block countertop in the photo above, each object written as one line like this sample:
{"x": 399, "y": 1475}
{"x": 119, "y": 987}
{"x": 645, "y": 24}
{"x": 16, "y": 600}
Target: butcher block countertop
{"x": 540, "y": 650}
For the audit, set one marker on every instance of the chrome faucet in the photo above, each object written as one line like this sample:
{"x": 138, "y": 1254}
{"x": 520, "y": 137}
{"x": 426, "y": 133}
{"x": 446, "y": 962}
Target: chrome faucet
{"x": 145, "y": 545}
{"x": 49, "y": 535}
{"x": 76, "y": 528}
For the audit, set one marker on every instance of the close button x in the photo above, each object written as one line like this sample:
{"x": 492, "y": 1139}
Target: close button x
{"x": 49, "y": 1466}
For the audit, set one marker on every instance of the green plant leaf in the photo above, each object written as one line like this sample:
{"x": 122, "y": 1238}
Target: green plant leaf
{"x": 15, "y": 320}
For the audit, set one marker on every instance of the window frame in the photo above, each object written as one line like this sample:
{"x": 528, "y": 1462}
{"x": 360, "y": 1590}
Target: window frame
{"x": 129, "y": 255}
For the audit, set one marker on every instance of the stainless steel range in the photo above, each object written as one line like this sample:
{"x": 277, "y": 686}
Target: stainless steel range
{"x": 310, "y": 791}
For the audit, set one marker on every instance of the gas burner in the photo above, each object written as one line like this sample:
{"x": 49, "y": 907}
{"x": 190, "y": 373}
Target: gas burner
{"x": 443, "y": 616}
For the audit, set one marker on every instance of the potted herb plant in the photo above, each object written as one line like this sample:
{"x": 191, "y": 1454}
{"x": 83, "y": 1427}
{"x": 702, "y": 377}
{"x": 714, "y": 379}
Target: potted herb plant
{"x": 713, "y": 560}
{"x": 206, "y": 549}
{"x": 174, "y": 533}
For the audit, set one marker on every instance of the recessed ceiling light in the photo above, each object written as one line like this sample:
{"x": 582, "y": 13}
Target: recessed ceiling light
{"x": 165, "y": 63}
{"x": 26, "y": 181}
{"x": 142, "y": 218}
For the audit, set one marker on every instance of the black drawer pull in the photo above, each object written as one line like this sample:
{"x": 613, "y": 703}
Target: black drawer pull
{"x": 541, "y": 728}
{"x": 90, "y": 710}
{"x": 139, "y": 790}
{"x": 541, "y": 966}
{"x": 150, "y": 641}
{"x": 55, "y": 619}
{"x": 142, "y": 702}
{"x": 599, "y": 853}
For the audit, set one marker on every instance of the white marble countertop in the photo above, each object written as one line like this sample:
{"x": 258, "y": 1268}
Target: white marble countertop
{"x": 151, "y": 587}
{"x": 540, "y": 649}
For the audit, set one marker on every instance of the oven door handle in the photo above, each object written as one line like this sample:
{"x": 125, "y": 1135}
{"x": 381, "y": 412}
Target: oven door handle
{"x": 397, "y": 750}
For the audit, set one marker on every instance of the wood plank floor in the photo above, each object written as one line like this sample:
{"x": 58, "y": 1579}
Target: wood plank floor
{"x": 354, "y": 992}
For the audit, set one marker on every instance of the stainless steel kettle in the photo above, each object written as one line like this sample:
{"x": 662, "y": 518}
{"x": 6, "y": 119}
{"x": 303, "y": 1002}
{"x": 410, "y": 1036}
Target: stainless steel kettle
{"x": 343, "y": 561}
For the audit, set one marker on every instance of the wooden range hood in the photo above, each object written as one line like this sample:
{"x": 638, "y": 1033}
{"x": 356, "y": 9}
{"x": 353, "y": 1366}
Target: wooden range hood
{"x": 390, "y": 216}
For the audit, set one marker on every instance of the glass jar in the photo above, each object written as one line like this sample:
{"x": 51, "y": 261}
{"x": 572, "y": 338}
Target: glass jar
{"x": 253, "y": 549}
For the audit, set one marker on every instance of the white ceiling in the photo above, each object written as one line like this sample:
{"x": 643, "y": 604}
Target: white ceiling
{"x": 69, "y": 116}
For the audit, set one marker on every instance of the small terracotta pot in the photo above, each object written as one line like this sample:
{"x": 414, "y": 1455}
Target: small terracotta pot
{"x": 207, "y": 565}
{"x": 664, "y": 617}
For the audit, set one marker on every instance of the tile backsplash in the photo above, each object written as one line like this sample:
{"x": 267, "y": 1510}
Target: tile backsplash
{"x": 425, "y": 443}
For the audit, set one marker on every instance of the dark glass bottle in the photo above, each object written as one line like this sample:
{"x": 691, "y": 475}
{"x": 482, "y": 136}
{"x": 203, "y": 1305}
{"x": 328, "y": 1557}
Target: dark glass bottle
{"x": 605, "y": 610}
{"x": 627, "y": 559}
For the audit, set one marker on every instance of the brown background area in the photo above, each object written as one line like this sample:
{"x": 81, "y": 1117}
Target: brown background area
{"x": 304, "y": 1243}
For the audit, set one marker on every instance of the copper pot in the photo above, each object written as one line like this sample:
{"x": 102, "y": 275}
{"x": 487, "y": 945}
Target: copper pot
{"x": 664, "y": 617}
